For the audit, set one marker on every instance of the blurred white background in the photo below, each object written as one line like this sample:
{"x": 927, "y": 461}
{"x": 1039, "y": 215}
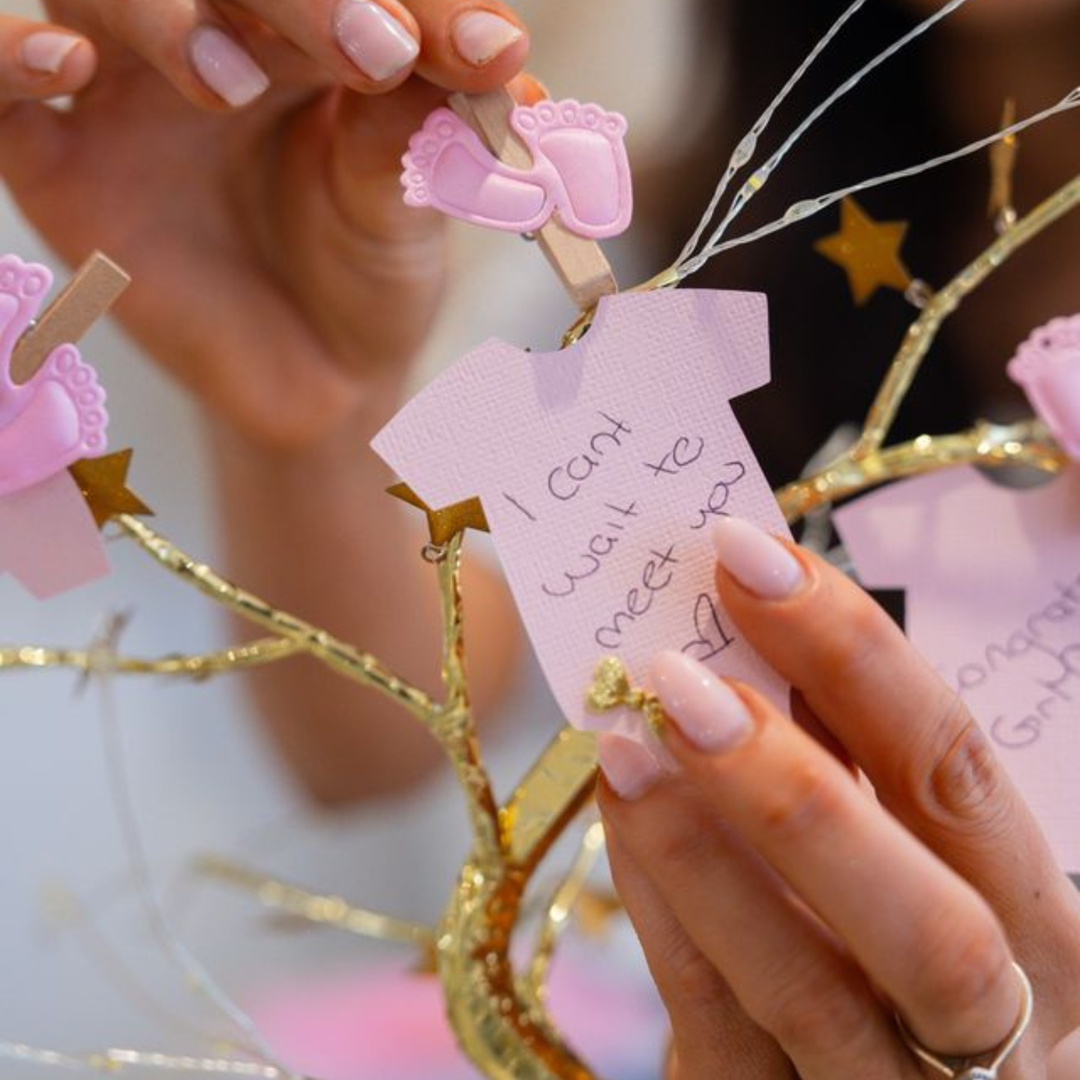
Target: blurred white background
{"x": 201, "y": 778}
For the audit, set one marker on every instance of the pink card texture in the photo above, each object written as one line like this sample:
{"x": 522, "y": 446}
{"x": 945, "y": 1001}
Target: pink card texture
{"x": 48, "y": 538}
{"x": 993, "y": 601}
{"x": 58, "y": 417}
{"x": 601, "y": 469}
{"x": 579, "y": 171}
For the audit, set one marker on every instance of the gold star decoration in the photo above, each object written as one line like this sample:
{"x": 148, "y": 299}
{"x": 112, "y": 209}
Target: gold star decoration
{"x": 444, "y": 524}
{"x": 103, "y": 482}
{"x": 868, "y": 251}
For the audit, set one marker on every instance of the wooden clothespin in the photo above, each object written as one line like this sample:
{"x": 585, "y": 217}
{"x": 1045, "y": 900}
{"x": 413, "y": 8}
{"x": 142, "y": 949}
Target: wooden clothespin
{"x": 94, "y": 289}
{"x": 580, "y": 263}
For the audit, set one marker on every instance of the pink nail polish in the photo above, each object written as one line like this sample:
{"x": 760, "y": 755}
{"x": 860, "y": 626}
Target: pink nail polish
{"x": 226, "y": 68}
{"x": 706, "y": 710}
{"x": 480, "y": 36}
{"x": 757, "y": 560}
{"x": 629, "y": 768}
{"x": 46, "y": 51}
{"x": 379, "y": 45}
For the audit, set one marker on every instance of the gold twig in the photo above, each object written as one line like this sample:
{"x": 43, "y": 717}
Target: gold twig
{"x": 312, "y": 906}
{"x": 1003, "y": 154}
{"x": 114, "y": 1060}
{"x": 557, "y": 916}
{"x": 337, "y": 655}
{"x": 922, "y": 332}
{"x": 454, "y": 724}
{"x": 549, "y": 797}
{"x": 196, "y": 667}
{"x": 1024, "y": 443}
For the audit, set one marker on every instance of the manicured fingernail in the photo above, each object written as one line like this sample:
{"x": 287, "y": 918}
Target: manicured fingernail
{"x": 226, "y": 68}
{"x": 707, "y": 711}
{"x": 373, "y": 39}
{"x": 46, "y": 51}
{"x": 629, "y": 768}
{"x": 756, "y": 560}
{"x": 480, "y": 36}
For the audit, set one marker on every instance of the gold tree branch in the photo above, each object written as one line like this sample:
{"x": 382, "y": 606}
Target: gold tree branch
{"x": 1024, "y": 443}
{"x": 921, "y": 334}
{"x": 454, "y": 724}
{"x": 314, "y": 907}
{"x": 114, "y": 1060}
{"x": 549, "y": 796}
{"x": 197, "y": 667}
{"x": 557, "y": 916}
{"x": 337, "y": 655}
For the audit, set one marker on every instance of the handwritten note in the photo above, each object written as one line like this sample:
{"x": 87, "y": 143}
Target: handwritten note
{"x": 993, "y": 580}
{"x": 601, "y": 468}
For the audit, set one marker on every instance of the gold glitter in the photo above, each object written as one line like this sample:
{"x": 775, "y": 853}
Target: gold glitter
{"x": 611, "y": 689}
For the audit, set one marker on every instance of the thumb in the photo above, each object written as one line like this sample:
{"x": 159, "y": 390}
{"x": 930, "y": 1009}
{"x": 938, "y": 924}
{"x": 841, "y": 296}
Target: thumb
{"x": 38, "y": 61}
{"x": 370, "y": 136}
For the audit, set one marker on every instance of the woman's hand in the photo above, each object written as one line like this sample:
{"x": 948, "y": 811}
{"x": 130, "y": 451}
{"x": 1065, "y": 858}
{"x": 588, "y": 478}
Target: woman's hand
{"x": 241, "y": 159}
{"x": 785, "y": 912}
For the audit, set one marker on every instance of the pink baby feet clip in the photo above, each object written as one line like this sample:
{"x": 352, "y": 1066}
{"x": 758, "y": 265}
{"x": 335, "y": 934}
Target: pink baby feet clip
{"x": 1047, "y": 366}
{"x": 58, "y": 417}
{"x": 48, "y": 538}
{"x": 579, "y": 172}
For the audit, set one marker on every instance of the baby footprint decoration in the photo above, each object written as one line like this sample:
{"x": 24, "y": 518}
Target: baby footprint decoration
{"x": 48, "y": 538}
{"x": 579, "y": 171}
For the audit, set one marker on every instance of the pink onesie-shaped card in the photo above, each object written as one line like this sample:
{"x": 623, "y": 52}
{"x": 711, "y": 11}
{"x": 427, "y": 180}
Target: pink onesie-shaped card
{"x": 601, "y": 470}
{"x": 993, "y": 602}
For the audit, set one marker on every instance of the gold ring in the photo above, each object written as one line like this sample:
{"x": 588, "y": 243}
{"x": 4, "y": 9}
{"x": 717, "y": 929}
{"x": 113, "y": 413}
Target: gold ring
{"x": 970, "y": 1068}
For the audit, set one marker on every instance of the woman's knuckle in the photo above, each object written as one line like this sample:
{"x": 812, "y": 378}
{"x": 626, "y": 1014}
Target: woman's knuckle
{"x": 689, "y": 977}
{"x": 964, "y": 780}
{"x": 814, "y": 1016}
{"x": 853, "y": 642}
{"x": 807, "y": 799}
{"x": 683, "y": 850}
{"x": 961, "y": 972}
